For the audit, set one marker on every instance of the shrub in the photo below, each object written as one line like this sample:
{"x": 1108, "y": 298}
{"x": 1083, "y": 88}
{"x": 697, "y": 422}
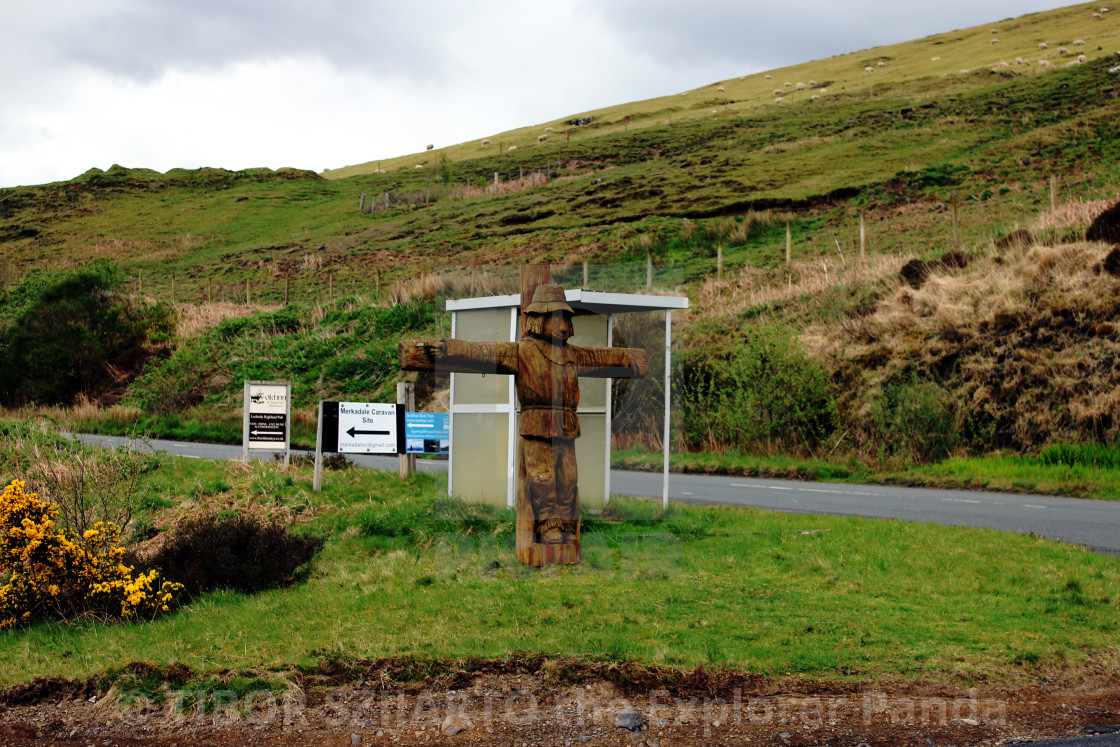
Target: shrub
{"x": 48, "y": 572}
{"x": 72, "y": 335}
{"x": 238, "y": 553}
{"x": 917, "y": 418}
{"x": 85, "y": 484}
{"x": 767, "y": 393}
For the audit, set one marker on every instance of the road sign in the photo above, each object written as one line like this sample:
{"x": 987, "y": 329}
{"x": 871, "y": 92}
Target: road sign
{"x": 268, "y": 410}
{"x": 362, "y": 427}
{"x": 427, "y": 433}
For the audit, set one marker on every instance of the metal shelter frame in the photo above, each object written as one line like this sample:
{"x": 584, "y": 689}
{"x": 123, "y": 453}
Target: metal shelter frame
{"x": 583, "y": 302}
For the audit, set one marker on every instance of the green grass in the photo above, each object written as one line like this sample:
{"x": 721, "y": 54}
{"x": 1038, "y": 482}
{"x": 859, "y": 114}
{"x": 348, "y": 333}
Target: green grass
{"x": 773, "y": 593}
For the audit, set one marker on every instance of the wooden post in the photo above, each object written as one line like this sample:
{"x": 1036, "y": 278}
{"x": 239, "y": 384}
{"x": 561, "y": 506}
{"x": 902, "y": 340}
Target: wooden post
{"x": 862, "y": 235}
{"x": 362, "y": 203}
{"x": 495, "y": 182}
{"x": 330, "y": 286}
{"x": 649, "y": 270}
{"x": 585, "y": 273}
{"x": 1053, "y": 193}
{"x": 317, "y": 479}
{"x": 719, "y": 261}
{"x": 531, "y": 277}
{"x": 789, "y": 241}
{"x": 955, "y": 203}
{"x": 248, "y": 292}
{"x": 406, "y": 395}
{"x": 172, "y": 287}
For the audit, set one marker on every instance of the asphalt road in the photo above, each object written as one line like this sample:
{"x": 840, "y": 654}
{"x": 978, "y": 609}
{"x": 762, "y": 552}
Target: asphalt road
{"x": 1094, "y": 524}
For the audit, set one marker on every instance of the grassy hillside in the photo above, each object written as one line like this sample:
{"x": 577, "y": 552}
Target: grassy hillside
{"x": 947, "y": 143}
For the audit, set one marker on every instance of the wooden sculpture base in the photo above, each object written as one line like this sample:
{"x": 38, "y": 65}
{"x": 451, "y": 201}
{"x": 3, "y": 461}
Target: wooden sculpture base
{"x": 535, "y": 554}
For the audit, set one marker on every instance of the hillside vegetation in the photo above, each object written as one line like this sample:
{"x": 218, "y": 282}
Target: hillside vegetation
{"x": 974, "y": 160}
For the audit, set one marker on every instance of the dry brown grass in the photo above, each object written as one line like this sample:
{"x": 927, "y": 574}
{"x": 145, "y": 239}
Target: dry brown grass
{"x": 478, "y": 282}
{"x": 753, "y": 286}
{"x": 1026, "y": 335}
{"x": 1070, "y": 215}
{"x": 193, "y": 319}
{"x": 511, "y": 186}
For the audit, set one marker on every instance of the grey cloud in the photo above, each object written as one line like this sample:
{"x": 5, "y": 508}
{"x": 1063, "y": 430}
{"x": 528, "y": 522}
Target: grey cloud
{"x": 140, "y": 39}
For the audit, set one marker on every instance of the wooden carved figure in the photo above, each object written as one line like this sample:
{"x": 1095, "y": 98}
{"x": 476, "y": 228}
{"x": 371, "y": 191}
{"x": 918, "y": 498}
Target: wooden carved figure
{"x": 547, "y": 370}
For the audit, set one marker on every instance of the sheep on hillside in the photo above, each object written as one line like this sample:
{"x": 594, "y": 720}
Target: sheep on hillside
{"x": 801, "y": 86}
{"x": 1082, "y": 59}
{"x": 994, "y": 41}
{"x": 487, "y": 141}
{"x": 824, "y": 90}
{"x": 512, "y": 147}
{"x": 993, "y": 31}
{"x": 720, "y": 88}
{"x": 1063, "y": 51}
{"x": 1097, "y": 16}
{"x": 1021, "y": 61}
{"x": 1079, "y": 42}
{"x": 935, "y": 59}
{"x": 1043, "y": 45}
{"x": 429, "y": 146}
{"x": 787, "y": 84}
{"x": 542, "y": 138}
{"x": 769, "y": 76}
{"x": 869, "y": 69}
{"x": 778, "y": 100}
{"x": 963, "y": 71}
{"x": 812, "y": 84}
{"x": 778, "y": 92}
{"x": 1044, "y": 63}
{"x": 882, "y": 63}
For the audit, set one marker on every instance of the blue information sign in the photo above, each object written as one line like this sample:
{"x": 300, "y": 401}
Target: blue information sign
{"x": 427, "y": 433}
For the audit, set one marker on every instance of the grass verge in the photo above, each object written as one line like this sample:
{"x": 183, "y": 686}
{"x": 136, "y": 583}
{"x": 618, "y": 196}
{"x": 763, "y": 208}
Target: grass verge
{"x": 407, "y": 573}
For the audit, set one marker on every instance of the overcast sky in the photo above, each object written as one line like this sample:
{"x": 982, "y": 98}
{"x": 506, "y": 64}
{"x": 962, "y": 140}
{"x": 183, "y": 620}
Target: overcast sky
{"x": 242, "y": 83}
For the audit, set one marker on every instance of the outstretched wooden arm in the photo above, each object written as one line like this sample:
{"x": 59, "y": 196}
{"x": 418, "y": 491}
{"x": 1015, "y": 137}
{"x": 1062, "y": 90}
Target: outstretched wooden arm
{"x": 615, "y": 363}
{"x": 456, "y": 355}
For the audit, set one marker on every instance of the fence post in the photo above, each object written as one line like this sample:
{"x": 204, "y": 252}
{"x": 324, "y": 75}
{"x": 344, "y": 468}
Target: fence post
{"x": 862, "y": 235}
{"x": 955, "y": 202}
{"x": 248, "y": 295}
{"x": 585, "y": 273}
{"x": 362, "y": 203}
{"x": 406, "y": 395}
{"x": 719, "y": 261}
{"x": 649, "y": 270}
{"x": 789, "y": 241}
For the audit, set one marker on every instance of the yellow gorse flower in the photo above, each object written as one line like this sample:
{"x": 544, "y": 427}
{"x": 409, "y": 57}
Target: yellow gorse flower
{"x": 43, "y": 565}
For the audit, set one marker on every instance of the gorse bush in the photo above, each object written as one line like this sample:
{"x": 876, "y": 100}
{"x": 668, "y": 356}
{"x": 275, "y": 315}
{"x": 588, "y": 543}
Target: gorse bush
{"x": 917, "y": 419}
{"x": 240, "y": 554}
{"x": 767, "y": 394}
{"x": 71, "y": 334}
{"x": 48, "y": 572}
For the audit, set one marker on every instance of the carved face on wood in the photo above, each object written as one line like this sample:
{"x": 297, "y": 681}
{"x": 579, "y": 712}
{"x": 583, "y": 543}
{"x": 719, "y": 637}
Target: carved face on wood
{"x": 556, "y": 327}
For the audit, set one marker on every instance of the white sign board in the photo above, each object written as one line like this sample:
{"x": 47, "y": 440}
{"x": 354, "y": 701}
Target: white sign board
{"x": 367, "y": 428}
{"x": 267, "y": 416}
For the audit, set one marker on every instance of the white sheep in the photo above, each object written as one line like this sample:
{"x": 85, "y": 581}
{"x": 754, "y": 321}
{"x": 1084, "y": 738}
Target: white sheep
{"x": 993, "y": 31}
{"x": 787, "y": 84}
{"x": 963, "y": 71}
{"x": 1079, "y": 42}
{"x": 882, "y": 63}
{"x": 801, "y": 86}
{"x": 1104, "y": 10}
{"x": 418, "y": 166}
{"x": 429, "y": 146}
{"x": 824, "y": 90}
{"x": 1044, "y": 63}
{"x": 487, "y": 141}
{"x": 935, "y": 59}
{"x": 542, "y": 138}
{"x": 1020, "y": 61}
{"x": 994, "y": 41}
{"x": 1082, "y": 59}
{"x": 778, "y": 92}
{"x": 1063, "y": 51}
{"x": 769, "y": 76}
{"x": 720, "y": 88}
{"x": 778, "y": 100}
{"x": 548, "y": 129}
{"x": 512, "y": 147}
{"x": 1043, "y": 45}
{"x": 869, "y": 69}
{"x": 1097, "y": 16}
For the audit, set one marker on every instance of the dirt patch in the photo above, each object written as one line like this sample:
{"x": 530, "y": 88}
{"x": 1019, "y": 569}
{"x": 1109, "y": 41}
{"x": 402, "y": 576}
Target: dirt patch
{"x": 544, "y": 701}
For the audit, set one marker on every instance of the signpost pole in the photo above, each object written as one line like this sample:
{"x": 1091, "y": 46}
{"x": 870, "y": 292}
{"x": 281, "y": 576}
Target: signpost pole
{"x": 406, "y": 396}
{"x": 317, "y": 480}
{"x": 245, "y": 425}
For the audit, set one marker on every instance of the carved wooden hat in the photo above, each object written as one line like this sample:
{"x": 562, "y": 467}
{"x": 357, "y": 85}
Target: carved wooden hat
{"x": 547, "y": 299}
